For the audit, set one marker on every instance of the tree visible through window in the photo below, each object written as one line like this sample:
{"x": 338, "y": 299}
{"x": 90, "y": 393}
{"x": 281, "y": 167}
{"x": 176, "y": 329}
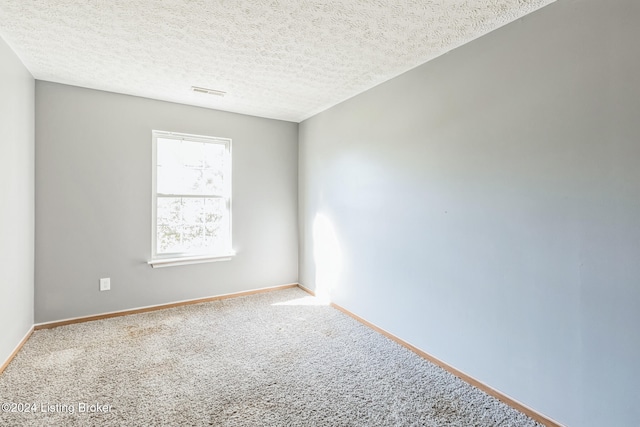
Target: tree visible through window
{"x": 192, "y": 195}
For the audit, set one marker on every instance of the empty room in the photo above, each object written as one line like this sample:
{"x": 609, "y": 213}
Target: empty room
{"x": 320, "y": 213}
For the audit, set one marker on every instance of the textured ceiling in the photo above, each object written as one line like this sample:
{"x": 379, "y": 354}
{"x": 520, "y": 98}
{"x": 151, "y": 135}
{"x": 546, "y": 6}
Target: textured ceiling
{"x": 284, "y": 59}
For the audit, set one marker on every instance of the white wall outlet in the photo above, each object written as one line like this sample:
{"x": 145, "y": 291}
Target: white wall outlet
{"x": 105, "y": 284}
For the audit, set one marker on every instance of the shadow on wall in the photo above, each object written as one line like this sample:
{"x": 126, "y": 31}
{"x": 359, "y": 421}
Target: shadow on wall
{"x": 327, "y": 256}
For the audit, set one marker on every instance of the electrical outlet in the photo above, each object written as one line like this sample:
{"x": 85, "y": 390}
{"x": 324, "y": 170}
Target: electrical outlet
{"x": 105, "y": 284}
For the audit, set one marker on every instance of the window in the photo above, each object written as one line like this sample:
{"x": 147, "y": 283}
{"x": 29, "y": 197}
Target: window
{"x": 191, "y": 199}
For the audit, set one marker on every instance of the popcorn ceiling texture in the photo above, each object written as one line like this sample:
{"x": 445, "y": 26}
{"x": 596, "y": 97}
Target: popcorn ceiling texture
{"x": 284, "y": 59}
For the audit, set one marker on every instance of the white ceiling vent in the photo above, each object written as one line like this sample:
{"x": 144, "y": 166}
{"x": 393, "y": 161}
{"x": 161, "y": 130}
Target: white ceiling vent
{"x": 208, "y": 91}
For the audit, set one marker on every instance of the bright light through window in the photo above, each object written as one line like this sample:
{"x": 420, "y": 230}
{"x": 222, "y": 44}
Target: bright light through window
{"x": 192, "y": 196}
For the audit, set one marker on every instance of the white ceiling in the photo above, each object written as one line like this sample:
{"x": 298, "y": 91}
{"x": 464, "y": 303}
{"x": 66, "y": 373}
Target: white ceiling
{"x": 284, "y": 59}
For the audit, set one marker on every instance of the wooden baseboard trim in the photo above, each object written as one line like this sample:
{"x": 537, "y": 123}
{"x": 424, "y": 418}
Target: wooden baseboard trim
{"x": 55, "y": 324}
{"x": 16, "y": 350}
{"x": 535, "y": 415}
{"x": 307, "y": 290}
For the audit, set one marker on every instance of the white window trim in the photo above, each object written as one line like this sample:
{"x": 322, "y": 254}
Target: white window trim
{"x": 186, "y": 260}
{"x": 178, "y": 259}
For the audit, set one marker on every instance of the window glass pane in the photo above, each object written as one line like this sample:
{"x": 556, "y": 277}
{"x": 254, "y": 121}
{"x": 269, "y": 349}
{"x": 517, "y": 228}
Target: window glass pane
{"x": 192, "y": 182}
{"x": 168, "y": 153}
{"x": 191, "y": 225}
{"x": 169, "y": 225}
{"x": 169, "y": 239}
{"x": 190, "y": 168}
{"x": 193, "y": 211}
{"x": 216, "y": 224}
{"x": 192, "y": 153}
{"x": 193, "y": 239}
{"x": 169, "y": 211}
{"x": 214, "y": 156}
{"x": 213, "y": 181}
{"x": 215, "y": 210}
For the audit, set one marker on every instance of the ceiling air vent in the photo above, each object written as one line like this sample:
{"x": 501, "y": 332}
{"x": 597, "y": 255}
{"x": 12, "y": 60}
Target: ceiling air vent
{"x": 208, "y": 91}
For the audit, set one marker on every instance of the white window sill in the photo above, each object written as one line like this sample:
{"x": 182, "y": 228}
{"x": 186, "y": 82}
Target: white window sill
{"x": 186, "y": 260}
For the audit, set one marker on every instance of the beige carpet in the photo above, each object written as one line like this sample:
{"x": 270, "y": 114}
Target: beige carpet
{"x": 271, "y": 359}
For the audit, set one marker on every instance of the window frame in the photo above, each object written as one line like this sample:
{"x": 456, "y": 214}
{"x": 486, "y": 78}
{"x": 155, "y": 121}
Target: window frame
{"x": 166, "y": 260}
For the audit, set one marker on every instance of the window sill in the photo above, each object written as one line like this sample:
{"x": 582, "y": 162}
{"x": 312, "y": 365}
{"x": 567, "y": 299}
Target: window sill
{"x": 186, "y": 260}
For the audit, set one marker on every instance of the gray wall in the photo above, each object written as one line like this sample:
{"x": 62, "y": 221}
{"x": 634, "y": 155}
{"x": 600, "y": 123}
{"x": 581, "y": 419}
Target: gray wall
{"x": 486, "y": 208}
{"x": 16, "y": 200}
{"x": 93, "y": 202}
